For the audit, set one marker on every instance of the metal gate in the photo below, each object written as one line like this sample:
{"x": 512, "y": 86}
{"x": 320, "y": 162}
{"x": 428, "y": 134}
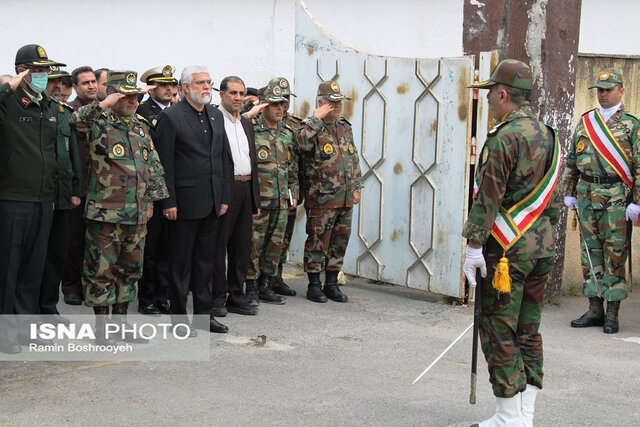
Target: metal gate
{"x": 410, "y": 118}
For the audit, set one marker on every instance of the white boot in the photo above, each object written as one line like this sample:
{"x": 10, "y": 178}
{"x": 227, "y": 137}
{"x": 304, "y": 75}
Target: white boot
{"x": 528, "y": 401}
{"x": 508, "y": 413}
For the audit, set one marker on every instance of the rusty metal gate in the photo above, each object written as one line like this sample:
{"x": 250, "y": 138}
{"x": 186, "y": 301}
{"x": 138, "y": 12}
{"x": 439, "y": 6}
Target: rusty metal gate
{"x": 410, "y": 119}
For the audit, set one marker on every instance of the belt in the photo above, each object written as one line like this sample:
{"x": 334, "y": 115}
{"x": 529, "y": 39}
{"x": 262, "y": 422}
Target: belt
{"x": 600, "y": 179}
{"x": 242, "y": 178}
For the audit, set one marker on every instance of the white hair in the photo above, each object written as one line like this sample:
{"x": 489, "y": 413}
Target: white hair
{"x": 189, "y": 71}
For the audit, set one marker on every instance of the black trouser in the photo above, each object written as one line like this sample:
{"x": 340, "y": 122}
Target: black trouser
{"x": 191, "y": 252}
{"x": 153, "y": 287}
{"x": 24, "y": 234}
{"x": 236, "y": 234}
{"x": 54, "y": 264}
{"x": 72, "y": 275}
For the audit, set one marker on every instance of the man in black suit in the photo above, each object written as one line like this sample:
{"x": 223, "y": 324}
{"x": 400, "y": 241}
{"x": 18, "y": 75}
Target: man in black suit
{"x": 236, "y": 227}
{"x": 191, "y": 142}
{"x": 153, "y": 285}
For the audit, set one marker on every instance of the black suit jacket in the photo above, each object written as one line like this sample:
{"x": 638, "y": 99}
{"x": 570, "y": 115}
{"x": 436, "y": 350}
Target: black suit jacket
{"x": 255, "y": 184}
{"x": 194, "y": 166}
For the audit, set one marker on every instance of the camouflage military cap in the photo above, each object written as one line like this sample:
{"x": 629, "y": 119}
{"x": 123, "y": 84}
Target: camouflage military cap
{"x": 331, "y": 91}
{"x": 159, "y": 74}
{"x": 509, "y": 72}
{"x": 33, "y": 54}
{"x": 272, "y": 94}
{"x": 608, "y": 79}
{"x": 285, "y": 87}
{"x": 124, "y": 82}
{"x": 56, "y": 73}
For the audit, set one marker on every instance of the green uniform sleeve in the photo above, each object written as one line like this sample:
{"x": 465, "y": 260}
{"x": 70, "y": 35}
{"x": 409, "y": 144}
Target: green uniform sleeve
{"x": 571, "y": 172}
{"x": 310, "y": 128}
{"x": 85, "y": 121}
{"x": 157, "y": 187}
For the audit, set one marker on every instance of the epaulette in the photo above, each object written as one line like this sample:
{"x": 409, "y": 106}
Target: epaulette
{"x": 142, "y": 119}
{"x": 496, "y": 128}
{"x": 631, "y": 115}
{"x": 253, "y": 121}
{"x": 286, "y": 126}
{"x": 64, "y": 104}
{"x": 296, "y": 118}
{"x": 343, "y": 120}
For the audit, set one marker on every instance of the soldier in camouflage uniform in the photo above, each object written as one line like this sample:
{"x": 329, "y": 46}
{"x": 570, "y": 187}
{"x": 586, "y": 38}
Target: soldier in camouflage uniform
{"x": 295, "y": 123}
{"x": 332, "y": 186}
{"x": 602, "y": 199}
{"x": 125, "y": 177}
{"x": 278, "y": 192}
{"x": 518, "y": 154}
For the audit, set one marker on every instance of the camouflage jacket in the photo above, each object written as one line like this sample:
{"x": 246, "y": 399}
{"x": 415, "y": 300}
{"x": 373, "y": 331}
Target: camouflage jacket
{"x": 125, "y": 172}
{"x": 330, "y": 162}
{"x": 583, "y": 158}
{"x": 277, "y": 168}
{"x": 517, "y": 154}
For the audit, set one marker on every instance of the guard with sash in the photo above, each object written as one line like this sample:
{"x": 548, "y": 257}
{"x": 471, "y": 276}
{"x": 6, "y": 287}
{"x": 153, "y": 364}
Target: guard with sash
{"x": 600, "y": 182}
{"x": 510, "y": 236}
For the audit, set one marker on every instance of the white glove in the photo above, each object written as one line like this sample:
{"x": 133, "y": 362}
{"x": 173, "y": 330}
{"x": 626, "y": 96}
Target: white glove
{"x": 571, "y": 202}
{"x": 632, "y": 212}
{"x": 473, "y": 260}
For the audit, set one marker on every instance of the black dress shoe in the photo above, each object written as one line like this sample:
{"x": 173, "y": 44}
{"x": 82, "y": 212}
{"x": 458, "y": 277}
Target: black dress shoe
{"x": 10, "y": 348}
{"x": 246, "y": 309}
{"x": 73, "y": 299}
{"x": 217, "y": 327}
{"x": 219, "y": 311}
{"x": 163, "y": 307}
{"x": 149, "y": 309}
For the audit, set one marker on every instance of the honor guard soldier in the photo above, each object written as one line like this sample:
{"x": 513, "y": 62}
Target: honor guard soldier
{"x": 125, "y": 177}
{"x": 28, "y": 131}
{"x": 600, "y": 182}
{"x": 153, "y": 288}
{"x": 278, "y": 177}
{"x": 512, "y": 216}
{"x": 67, "y": 197}
{"x": 332, "y": 186}
{"x": 295, "y": 123}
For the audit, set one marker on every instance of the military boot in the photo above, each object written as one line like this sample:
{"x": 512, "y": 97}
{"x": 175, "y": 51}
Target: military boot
{"x": 251, "y": 292}
{"x": 314, "y": 289}
{"x": 331, "y": 289}
{"x": 266, "y": 294}
{"x": 102, "y": 317}
{"x": 127, "y": 333}
{"x": 593, "y": 317}
{"x": 278, "y": 285}
{"x": 611, "y": 318}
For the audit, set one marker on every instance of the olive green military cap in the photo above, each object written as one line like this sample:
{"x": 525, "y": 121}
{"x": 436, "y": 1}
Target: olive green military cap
{"x": 124, "y": 82}
{"x": 509, "y": 72}
{"x": 285, "y": 87}
{"x": 159, "y": 74}
{"x": 331, "y": 91}
{"x": 608, "y": 79}
{"x": 56, "y": 73}
{"x": 34, "y": 54}
{"x": 272, "y": 94}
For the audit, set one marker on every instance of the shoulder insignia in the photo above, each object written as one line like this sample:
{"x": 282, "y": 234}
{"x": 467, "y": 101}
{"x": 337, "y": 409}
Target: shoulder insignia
{"x": 296, "y": 118}
{"x": 253, "y": 121}
{"x": 142, "y": 119}
{"x": 344, "y": 121}
{"x": 289, "y": 128}
{"x": 496, "y": 128}
{"x": 65, "y": 105}
{"x": 626, "y": 113}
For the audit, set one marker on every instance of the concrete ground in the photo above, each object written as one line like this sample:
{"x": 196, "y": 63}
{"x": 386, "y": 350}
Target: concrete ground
{"x": 337, "y": 364}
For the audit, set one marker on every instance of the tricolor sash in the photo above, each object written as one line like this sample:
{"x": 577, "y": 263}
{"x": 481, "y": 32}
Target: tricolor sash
{"x": 607, "y": 145}
{"x": 511, "y": 224}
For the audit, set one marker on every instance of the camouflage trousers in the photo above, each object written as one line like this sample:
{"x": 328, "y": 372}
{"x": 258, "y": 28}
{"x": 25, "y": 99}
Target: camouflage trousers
{"x": 288, "y": 233}
{"x": 328, "y": 232}
{"x": 268, "y": 233}
{"x": 606, "y": 234}
{"x": 112, "y": 262}
{"x": 509, "y": 323}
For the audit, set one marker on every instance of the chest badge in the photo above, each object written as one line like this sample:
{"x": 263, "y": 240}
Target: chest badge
{"x": 141, "y": 132}
{"x": 351, "y": 148}
{"x": 485, "y": 155}
{"x": 288, "y": 155}
{"x": 118, "y": 150}
{"x": 580, "y": 146}
{"x": 25, "y": 101}
{"x": 145, "y": 154}
{"x": 328, "y": 149}
{"x": 262, "y": 154}
{"x": 154, "y": 122}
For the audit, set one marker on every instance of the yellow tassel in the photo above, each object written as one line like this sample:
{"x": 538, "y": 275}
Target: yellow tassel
{"x": 574, "y": 223}
{"x": 502, "y": 280}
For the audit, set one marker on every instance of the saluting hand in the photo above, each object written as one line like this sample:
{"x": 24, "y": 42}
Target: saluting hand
{"x": 322, "y": 111}
{"x": 15, "y": 82}
{"x": 255, "y": 110}
{"x": 111, "y": 100}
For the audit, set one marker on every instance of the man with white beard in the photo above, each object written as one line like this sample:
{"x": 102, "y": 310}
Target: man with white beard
{"x": 192, "y": 144}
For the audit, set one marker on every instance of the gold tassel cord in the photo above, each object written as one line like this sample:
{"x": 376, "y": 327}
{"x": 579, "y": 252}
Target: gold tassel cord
{"x": 574, "y": 223}
{"x": 501, "y": 279}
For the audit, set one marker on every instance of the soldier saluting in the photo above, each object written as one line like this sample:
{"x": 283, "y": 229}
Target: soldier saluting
{"x": 600, "y": 182}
